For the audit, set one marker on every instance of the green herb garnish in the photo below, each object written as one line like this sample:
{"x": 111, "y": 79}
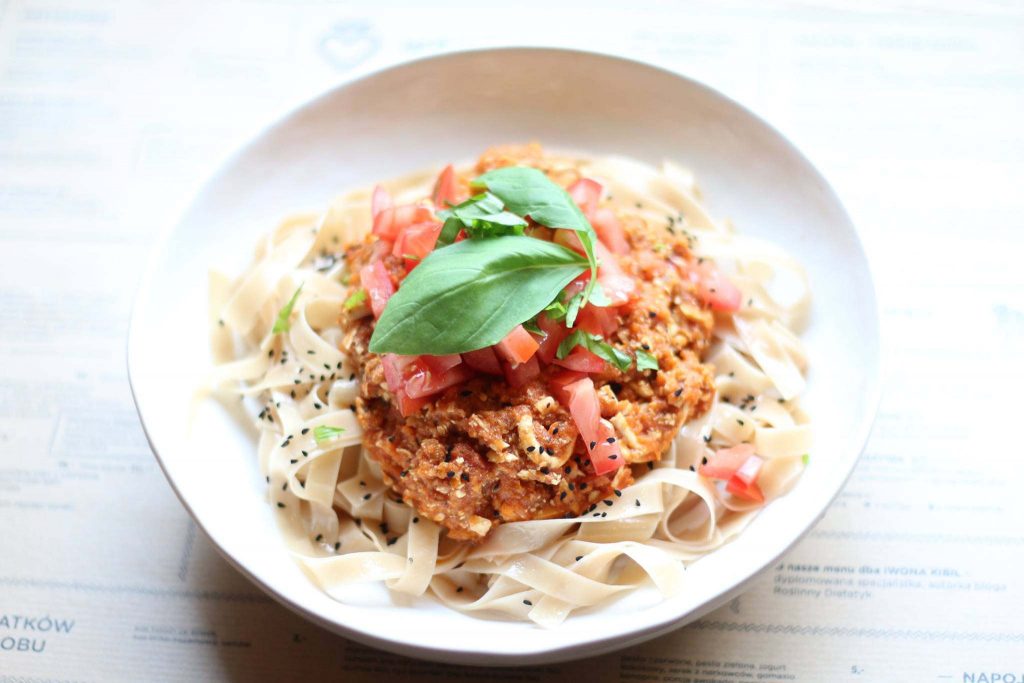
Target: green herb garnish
{"x": 528, "y": 192}
{"x": 646, "y": 360}
{"x": 481, "y": 216}
{"x": 326, "y": 433}
{"x": 597, "y": 346}
{"x": 355, "y": 299}
{"x": 282, "y": 324}
{"x": 806, "y": 458}
{"x": 471, "y": 294}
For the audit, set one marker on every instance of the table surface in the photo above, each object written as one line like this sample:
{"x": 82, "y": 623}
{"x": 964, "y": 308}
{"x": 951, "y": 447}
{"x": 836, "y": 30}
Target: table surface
{"x": 111, "y": 115}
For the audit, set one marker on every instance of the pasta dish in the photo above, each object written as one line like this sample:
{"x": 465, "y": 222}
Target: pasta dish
{"x": 524, "y": 385}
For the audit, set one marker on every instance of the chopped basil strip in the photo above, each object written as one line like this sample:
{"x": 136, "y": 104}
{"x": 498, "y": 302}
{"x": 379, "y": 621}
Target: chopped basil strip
{"x": 355, "y": 299}
{"x": 326, "y": 433}
{"x": 597, "y": 346}
{"x": 646, "y": 360}
{"x": 482, "y": 215}
{"x": 806, "y": 458}
{"x": 573, "y": 309}
{"x": 471, "y": 294}
{"x": 531, "y": 326}
{"x": 282, "y": 324}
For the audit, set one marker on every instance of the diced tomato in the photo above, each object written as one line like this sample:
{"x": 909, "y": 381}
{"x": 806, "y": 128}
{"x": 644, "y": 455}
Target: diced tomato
{"x": 483, "y": 360}
{"x": 570, "y": 240}
{"x": 446, "y": 189}
{"x": 422, "y": 382}
{"x": 598, "y": 435}
{"x": 586, "y": 193}
{"x": 597, "y": 320}
{"x": 616, "y": 284}
{"x": 377, "y": 282}
{"x": 581, "y": 360}
{"x": 558, "y": 382}
{"x": 411, "y": 378}
{"x": 749, "y": 491}
{"x": 394, "y": 369}
{"x": 715, "y": 289}
{"x": 381, "y": 200}
{"x": 748, "y": 471}
{"x": 416, "y": 241}
{"x": 407, "y": 405}
{"x": 724, "y": 463}
{"x": 518, "y": 374}
{"x": 554, "y": 333}
{"x": 441, "y": 364}
{"x": 606, "y": 455}
{"x": 609, "y": 230}
{"x": 518, "y": 346}
{"x": 393, "y": 219}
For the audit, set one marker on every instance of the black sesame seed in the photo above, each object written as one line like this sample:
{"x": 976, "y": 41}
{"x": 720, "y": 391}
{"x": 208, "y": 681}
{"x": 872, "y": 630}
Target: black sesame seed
{"x": 579, "y": 557}
{"x": 678, "y": 392}
{"x": 637, "y": 502}
{"x": 704, "y": 461}
{"x": 403, "y": 473}
{"x": 280, "y": 505}
{"x": 545, "y": 470}
{"x": 692, "y": 468}
{"x": 464, "y": 476}
{"x": 367, "y": 496}
{"x": 383, "y": 527}
{"x": 337, "y": 545}
{"x": 338, "y": 367}
{"x": 607, "y": 502}
{"x": 459, "y": 589}
{"x": 610, "y": 439}
{"x": 415, "y": 520}
{"x": 450, "y": 474}
{"x": 583, "y": 485}
{"x": 293, "y": 461}
{"x": 305, "y": 454}
{"x": 652, "y": 314}
{"x": 650, "y": 466}
{"x": 392, "y": 540}
{"x": 530, "y": 449}
{"x": 554, "y": 431}
{"x": 317, "y": 406}
{"x": 618, "y": 493}
{"x": 567, "y": 469}
{"x": 562, "y": 495}
{"x": 593, "y": 445}
{"x": 613, "y": 456}
{"x": 319, "y": 537}
{"x": 311, "y": 352}
{"x": 527, "y": 602}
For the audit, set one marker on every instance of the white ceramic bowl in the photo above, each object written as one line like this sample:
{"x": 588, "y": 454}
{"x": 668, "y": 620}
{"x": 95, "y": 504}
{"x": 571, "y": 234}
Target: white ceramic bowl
{"x": 450, "y": 108}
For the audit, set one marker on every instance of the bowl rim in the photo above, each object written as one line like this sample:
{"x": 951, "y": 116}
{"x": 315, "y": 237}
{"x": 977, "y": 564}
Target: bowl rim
{"x": 474, "y": 656}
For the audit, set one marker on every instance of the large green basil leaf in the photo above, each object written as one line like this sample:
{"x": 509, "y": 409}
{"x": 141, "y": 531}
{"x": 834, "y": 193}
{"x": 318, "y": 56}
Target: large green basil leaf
{"x": 528, "y": 192}
{"x": 472, "y": 293}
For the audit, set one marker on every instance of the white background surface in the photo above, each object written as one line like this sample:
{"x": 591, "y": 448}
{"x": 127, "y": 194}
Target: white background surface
{"x": 111, "y": 114}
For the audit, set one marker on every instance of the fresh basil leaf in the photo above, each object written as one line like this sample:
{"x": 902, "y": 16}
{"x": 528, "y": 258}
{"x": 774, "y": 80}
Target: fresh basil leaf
{"x": 355, "y": 299}
{"x": 597, "y": 346}
{"x": 326, "y": 433}
{"x": 282, "y": 323}
{"x": 483, "y": 216}
{"x": 573, "y": 309}
{"x": 471, "y": 294}
{"x": 555, "y": 310}
{"x": 532, "y": 326}
{"x": 646, "y": 360}
{"x": 449, "y": 231}
{"x": 528, "y": 192}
